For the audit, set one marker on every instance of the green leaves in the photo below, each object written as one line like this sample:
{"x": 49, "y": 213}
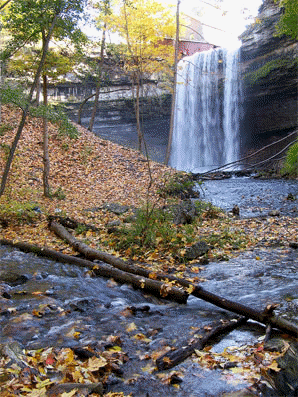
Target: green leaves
{"x": 16, "y": 95}
{"x": 13, "y": 94}
{"x": 26, "y": 21}
{"x": 291, "y": 162}
{"x": 56, "y": 115}
{"x": 288, "y": 21}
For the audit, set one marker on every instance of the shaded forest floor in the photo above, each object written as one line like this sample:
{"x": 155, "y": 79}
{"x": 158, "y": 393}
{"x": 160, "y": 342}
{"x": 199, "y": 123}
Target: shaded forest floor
{"x": 88, "y": 173}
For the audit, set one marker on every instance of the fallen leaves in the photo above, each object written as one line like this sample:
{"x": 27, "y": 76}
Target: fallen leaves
{"x": 91, "y": 172}
{"x": 44, "y": 368}
{"x": 131, "y": 327}
{"x": 249, "y": 362}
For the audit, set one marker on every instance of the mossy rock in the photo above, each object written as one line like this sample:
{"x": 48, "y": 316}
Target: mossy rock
{"x": 198, "y": 249}
{"x": 180, "y": 185}
{"x": 285, "y": 382}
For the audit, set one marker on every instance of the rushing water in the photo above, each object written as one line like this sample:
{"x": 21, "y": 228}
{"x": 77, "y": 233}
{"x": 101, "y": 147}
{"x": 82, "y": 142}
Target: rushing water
{"x": 58, "y": 300}
{"x": 206, "y": 132}
{"x": 254, "y": 197}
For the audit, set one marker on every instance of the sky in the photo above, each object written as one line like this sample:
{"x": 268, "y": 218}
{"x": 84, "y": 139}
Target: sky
{"x": 232, "y": 17}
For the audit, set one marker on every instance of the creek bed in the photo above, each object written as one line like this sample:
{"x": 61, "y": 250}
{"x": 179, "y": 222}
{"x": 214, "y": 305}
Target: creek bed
{"x": 254, "y": 197}
{"x": 61, "y": 305}
{"x": 70, "y": 301}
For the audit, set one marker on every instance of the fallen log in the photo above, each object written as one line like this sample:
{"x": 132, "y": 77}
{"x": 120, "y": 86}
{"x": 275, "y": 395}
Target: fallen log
{"x": 93, "y": 254}
{"x": 155, "y": 287}
{"x": 265, "y": 317}
{"x": 175, "y": 357}
{"x": 67, "y": 388}
{"x": 71, "y": 223}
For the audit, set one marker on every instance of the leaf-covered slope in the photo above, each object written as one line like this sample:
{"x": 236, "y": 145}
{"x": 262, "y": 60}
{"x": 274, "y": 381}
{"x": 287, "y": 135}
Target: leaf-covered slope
{"x": 84, "y": 173}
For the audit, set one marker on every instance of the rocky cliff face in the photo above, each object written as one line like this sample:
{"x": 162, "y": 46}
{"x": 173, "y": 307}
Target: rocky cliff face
{"x": 269, "y": 74}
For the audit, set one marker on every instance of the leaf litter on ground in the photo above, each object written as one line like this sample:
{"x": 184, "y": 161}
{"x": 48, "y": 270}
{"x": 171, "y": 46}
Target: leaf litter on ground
{"x": 85, "y": 174}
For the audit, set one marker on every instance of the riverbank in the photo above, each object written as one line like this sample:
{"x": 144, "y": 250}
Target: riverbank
{"x": 68, "y": 314}
{"x": 89, "y": 173}
{"x": 85, "y": 173}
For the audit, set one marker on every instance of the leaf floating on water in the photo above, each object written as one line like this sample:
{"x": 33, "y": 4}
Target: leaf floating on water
{"x": 94, "y": 363}
{"x": 131, "y": 327}
{"x": 190, "y": 289}
{"x": 69, "y": 394}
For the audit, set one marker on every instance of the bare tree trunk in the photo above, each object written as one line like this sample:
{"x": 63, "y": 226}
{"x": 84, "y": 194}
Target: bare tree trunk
{"x": 46, "y": 159}
{"x": 26, "y": 108}
{"x": 137, "y": 75}
{"x": 1, "y": 83}
{"x": 96, "y": 96}
{"x": 174, "y": 87}
{"x": 99, "y": 82}
{"x": 38, "y": 93}
{"x": 2, "y": 79}
{"x": 4, "y": 4}
{"x": 81, "y": 108}
{"x": 137, "y": 105}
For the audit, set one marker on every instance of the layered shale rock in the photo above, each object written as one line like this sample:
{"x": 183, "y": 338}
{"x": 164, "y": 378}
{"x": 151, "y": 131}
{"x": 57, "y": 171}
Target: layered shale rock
{"x": 269, "y": 74}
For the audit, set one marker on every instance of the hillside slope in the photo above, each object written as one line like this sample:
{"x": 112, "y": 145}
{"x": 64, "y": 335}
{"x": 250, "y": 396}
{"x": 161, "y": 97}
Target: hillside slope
{"x": 85, "y": 173}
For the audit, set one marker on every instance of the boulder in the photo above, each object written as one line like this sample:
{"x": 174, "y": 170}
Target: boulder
{"x": 293, "y": 244}
{"x": 13, "y": 279}
{"x": 185, "y": 213}
{"x": 116, "y": 208}
{"x": 285, "y": 381}
{"x": 198, "y": 249}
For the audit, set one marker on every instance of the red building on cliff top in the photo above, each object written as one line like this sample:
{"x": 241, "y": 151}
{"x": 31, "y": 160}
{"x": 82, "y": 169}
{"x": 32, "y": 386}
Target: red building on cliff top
{"x": 191, "y": 37}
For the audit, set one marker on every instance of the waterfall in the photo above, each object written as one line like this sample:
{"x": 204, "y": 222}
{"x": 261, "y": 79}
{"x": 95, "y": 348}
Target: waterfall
{"x": 206, "y": 125}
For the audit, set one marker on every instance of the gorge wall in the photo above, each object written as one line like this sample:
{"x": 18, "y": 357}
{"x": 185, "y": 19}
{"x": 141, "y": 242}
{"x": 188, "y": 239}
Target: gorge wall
{"x": 269, "y": 74}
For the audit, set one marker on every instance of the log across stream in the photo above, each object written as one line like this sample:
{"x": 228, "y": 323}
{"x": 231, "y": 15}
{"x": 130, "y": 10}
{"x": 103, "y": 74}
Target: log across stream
{"x": 96, "y": 307}
{"x": 140, "y": 278}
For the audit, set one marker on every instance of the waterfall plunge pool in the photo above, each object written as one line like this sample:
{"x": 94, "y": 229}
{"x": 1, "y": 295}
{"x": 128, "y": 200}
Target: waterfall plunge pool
{"x": 254, "y": 197}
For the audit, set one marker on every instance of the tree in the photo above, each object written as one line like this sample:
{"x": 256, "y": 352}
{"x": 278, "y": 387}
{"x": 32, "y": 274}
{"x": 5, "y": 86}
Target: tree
{"x": 103, "y": 70}
{"x": 3, "y": 5}
{"x": 174, "y": 86}
{"x": 288, "y": 23}
{"x": 58, "y": 62}
{"x": 28, "y": 21}
{"x": 3, "y": 9}
{"x": 105, "y": 10}
{"x": 143, "y": 24}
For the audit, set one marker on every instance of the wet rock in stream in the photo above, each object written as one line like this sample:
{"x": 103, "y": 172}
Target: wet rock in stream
{"x": 198, "y": 249}
{"x": 5, "y": 290}
{"x": 13, "y": 279}
{"x": 85, "y": 310}
{"x": 283, "y": 382}
{"x": 82, "y": 305}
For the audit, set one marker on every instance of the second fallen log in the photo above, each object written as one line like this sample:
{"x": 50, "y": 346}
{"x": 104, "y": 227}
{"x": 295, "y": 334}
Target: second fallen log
{"x": 175, "y": 357}
{"x": 265, "y": 317}
{"x": 155, "y": 287}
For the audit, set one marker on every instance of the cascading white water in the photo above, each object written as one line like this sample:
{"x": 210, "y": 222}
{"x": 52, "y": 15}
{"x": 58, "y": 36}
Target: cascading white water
{"x": 206, "y": 125}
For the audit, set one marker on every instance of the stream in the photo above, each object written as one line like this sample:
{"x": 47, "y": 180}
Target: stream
{"x": 54, "y": 304}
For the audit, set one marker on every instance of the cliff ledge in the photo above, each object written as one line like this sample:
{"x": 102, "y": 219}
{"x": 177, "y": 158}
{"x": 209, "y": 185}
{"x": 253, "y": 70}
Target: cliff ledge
{"x": 269, "y": 74}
